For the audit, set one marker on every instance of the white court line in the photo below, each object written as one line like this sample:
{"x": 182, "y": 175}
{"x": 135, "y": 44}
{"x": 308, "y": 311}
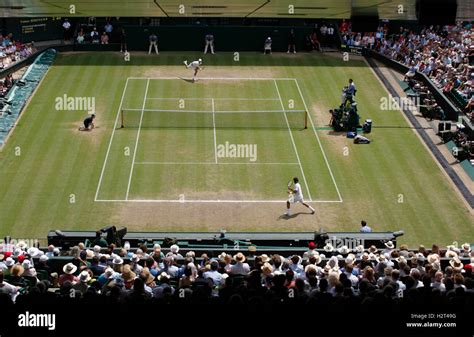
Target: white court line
{"x": 110, "y": 142}
{"x": 212, "y": 111}
{"x": 293, "y": 141}
{"x": 215, "y": 99}
{"x": 216, "y": 200}
{"x": 204, "y": 201}
{"x": 136, "y": 142}
{"x": 214, "y": 126}
{"x": 206, "y": 163}
{"x": 319, "y": 141}
{"x": 215, "y": 78}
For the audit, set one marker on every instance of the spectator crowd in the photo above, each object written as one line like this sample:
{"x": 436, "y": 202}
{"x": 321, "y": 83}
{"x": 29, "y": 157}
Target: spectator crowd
{"x": 445, "y": 54}
{"x": 331, "y": 278}
{"x": 12, "y": 51}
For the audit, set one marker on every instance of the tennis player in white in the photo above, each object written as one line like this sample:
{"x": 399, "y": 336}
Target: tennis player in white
{"x": 195, "y": 65}
{"x": 296, "y": 195}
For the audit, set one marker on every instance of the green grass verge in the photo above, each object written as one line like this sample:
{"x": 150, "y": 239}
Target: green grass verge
{"x": 58, "y": 164}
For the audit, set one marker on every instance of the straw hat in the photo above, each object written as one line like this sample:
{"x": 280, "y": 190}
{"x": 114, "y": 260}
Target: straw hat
{"x": 466, "y": 247}
{"x": 267, "y": 268}
{"x": 456, "y": 263}
{"x": 149, "y": 277}
{"x": 389, "y": 245}
{"x": 117, "y": 260}
{"x": 343, "y": 250}
{"x": 239, "y": 257}
{"x": 252, "y": 248}
{"x": 163, "y": 275}
{"x": 451, "y": 254}
{"x": 433, "y": 258}
{"x": 84, "y": 276}
{"x": 21, "y": 244}
{"x": 381, "y": 259}
{"x": 127, "y": 274}
{"x": 373, "y": 249}
{"x": 401, "y": 259}
{"x": 359, "y": 249}
{"x": 69, "y": 268}
{"x": 265, "y": 258}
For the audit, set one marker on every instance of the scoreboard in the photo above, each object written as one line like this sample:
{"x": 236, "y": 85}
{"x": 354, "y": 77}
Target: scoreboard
{"x": 34, "y": 29}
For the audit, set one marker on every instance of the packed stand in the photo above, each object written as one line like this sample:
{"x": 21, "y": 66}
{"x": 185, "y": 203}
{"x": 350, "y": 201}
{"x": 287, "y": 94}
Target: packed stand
{"x": 329, "y": 276}
{"x": 361, "y": 39}
{"x": 12, "y": 51}
{"x": 445, "y": 54}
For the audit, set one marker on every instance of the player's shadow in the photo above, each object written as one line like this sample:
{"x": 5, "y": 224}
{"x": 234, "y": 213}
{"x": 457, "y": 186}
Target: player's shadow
{"x": 189, "y": 80}
{"x": 292, "y": 216}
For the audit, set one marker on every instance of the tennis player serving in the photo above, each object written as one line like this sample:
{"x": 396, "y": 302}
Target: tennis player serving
{"x": 296, "y": 195}
{"x": 195, "y": 65}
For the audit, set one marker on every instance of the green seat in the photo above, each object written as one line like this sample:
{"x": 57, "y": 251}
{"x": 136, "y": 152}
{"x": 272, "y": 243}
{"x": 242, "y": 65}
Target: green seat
{"x": 404, "y": 85}
{"x": 42, "y": 275}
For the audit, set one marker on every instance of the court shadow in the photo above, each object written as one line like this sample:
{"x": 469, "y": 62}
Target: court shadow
{"x": 292, "y": 216}
{"x": 189, "y": 80}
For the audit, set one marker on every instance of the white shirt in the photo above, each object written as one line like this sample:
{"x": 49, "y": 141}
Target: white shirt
{"x": 194, "y": 65}
{"x": 298, "y": 192}
{"x": 240, "y": 269}
{"x": 214, "y": 275}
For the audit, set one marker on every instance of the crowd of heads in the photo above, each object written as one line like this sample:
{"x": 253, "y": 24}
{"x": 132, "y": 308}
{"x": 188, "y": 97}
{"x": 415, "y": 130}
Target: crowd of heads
{"x": 12, "y": 50}
{"x": 153, "y": 274}
{"x": 361, "y": 39}
{"x": 443, "y": 53}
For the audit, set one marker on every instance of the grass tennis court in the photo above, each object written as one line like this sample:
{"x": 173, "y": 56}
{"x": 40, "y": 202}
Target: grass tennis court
{"x": 54, "y": 177}
{"x": 221, "y": 140}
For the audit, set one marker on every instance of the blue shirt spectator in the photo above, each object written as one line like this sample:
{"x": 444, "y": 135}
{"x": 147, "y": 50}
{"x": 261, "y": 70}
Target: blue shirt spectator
{"x": 364, "y": 227}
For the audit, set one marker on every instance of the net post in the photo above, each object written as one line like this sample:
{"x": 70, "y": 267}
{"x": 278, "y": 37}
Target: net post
{"x": 305, "y": 119}
{"x": 121, "y": 119}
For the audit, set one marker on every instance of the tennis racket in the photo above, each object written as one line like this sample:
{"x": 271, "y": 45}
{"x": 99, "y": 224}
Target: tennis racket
{"x": 291, "y": 195}
{"x": 290, "y": 185}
